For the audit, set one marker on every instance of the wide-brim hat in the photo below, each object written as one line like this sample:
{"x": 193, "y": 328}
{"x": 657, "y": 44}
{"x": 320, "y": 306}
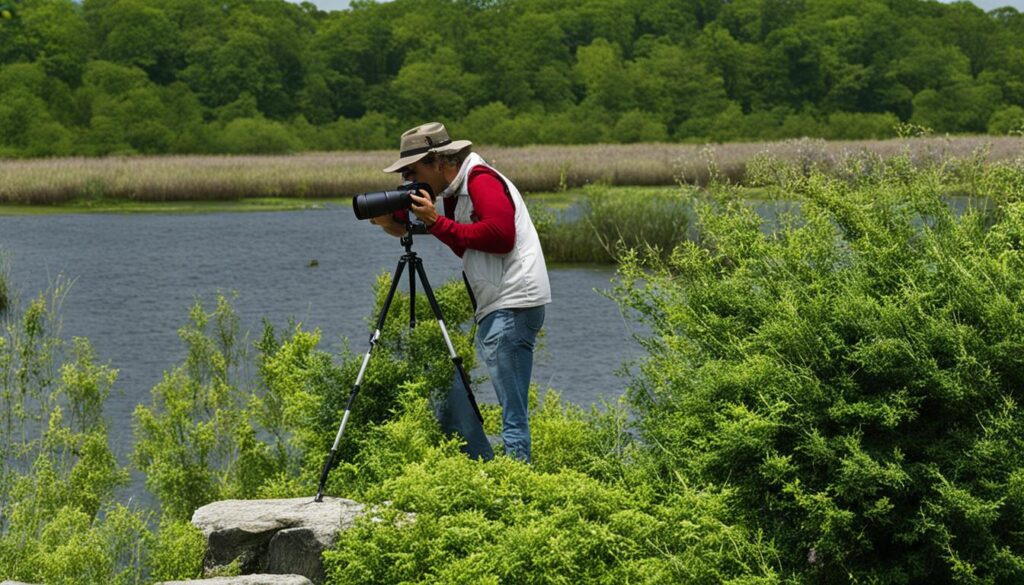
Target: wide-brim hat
{"x": 423, "y": 140}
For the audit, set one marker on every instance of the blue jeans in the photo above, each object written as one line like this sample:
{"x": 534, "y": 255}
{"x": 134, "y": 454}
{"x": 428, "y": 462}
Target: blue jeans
{"x": 505, "y": 340}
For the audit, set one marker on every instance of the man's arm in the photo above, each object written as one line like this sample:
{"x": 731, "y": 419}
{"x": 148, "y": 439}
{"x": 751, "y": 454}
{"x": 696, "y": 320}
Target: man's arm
{"x": 494, "y": 227}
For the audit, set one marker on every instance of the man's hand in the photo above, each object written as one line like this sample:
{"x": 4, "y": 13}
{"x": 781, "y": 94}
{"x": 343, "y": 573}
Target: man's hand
{"x": 389, "y": 224}
{"x": 423, "y": 207}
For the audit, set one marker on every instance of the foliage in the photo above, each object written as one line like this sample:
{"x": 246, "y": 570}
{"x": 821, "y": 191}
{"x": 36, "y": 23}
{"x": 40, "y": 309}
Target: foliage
{"x": 1008, "y": 120}
{"x": 177, "y": 553}
{"x": 605, "y": 222}
{"x": 444, "y": 518}
{"x": 831, "y": 394}
{"x": 850, "y": 371}
{"x": 257, "y": 136}
{"x": 59, "y": 522}
{"x": 217, "y": 432}
{"x": 514, "y": 72}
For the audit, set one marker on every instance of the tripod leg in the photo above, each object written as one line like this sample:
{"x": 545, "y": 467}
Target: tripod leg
{"x": 456, "y": 359}
{"x": 359, "y": 378}
{"x": 412, "y": 298}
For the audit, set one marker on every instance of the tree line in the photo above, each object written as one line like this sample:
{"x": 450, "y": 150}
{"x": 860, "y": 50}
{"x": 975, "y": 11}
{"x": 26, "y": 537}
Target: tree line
{"x": 102, "y": 77}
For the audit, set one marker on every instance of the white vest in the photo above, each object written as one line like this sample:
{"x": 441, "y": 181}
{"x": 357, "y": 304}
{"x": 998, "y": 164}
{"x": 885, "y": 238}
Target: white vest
{"x": 518, "y": 279}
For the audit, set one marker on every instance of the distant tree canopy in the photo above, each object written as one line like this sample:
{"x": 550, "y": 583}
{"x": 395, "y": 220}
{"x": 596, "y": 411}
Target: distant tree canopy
{"x": 101, "y": 77}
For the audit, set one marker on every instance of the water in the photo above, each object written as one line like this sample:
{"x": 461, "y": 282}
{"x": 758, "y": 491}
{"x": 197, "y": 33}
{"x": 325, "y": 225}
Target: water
{"x": 135, "y": 276}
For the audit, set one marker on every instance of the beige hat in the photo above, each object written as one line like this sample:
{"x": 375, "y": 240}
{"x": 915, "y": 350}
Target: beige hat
{"x": 423, "y": 140}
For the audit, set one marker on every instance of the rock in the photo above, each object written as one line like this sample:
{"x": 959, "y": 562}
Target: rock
{"x": 13, "y": 583}
{"x": 246, "y": 580}
{"x": 274, "y": 536}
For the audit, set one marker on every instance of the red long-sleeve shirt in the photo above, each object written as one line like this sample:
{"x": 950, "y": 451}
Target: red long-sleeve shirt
{"x": 493, "y": 228}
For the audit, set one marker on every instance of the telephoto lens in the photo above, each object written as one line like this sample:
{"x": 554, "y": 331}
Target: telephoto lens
{"x": 367, "y": 205}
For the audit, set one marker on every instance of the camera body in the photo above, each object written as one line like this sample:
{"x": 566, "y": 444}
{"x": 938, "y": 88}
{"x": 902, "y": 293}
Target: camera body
{"x": 377, "y": 203}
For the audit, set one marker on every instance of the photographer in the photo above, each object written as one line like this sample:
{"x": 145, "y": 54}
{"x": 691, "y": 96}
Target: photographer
{"x": 485, "y": 222}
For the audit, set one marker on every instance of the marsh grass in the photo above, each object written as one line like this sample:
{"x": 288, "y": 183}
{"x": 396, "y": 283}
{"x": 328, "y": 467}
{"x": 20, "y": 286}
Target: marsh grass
{"x": 607, "y": 220}
{"x": 535, "y": 168}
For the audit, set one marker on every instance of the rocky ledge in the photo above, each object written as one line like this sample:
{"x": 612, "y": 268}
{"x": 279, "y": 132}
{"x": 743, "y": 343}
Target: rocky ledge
{"x": 279, "y": 537}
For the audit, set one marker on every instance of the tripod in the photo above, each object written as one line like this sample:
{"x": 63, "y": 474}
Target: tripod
{"x": 415, "y": 267}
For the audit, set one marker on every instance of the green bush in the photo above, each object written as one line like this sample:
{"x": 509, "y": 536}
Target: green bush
{"x": 852, "y": 376}
{"x": 860, "y": 126}
{"x": 208, "y": 435}
{"x": 1007, "y": 120}
{"x": 637, "y": 126}
{"x": 373, "y": 131}
{"x": 59, "y": 522}
{"x": 177, "y": 552}
{"x": 505, "y": 521}
{"x": 257, "y": 136}
{"x": 484, "y": 123}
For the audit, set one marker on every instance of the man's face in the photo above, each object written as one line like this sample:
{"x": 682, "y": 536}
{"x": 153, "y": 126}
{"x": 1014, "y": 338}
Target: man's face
{"x": 429, "y": 173}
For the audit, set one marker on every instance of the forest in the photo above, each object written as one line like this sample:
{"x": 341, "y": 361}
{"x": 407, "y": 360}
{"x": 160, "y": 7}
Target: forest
{"x": 112, "y": 77}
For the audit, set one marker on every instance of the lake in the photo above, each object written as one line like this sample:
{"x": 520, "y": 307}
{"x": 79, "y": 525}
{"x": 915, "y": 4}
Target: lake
{"x": 135, "y": 276}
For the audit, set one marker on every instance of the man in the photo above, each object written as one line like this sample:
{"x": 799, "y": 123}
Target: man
{"x": 486, "y": 223}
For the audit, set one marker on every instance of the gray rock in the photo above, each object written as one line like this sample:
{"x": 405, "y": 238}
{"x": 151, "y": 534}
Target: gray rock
{"x": 274, "y": 536}
{"x": 246, "y": 580}
{"x": 13, "y": 583}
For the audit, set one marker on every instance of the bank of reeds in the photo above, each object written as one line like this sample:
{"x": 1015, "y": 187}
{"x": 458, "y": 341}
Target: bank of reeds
{"x": 607, "y": 220}
{"x": 536, "y": 168}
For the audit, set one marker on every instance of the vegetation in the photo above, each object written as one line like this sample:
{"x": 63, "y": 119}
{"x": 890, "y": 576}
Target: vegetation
{"x": 585, "y": 512}
{"x": 605, "y": 220}
{"x": 103, "y": 77}
{"x": 852, "y": 375}
{"x": 116, "y": 181}
{"x": 832, "y": 393}
{"x": 59, "y": 520}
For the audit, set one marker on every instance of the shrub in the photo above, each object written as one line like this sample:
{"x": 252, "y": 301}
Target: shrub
{"x": 58, "y": 520}
{"x": 373, "y": 131}
{"x": 860, "y": 126}
{"x": 505, "y": 521}
{"x": 852, "y": 375}
{"x": 1007, "y": 120}
{"x": 637, "y": 126}
{"x": 484, "y": 124}
{"x": 210, "y": 435}
{"x": 257, "y": 136}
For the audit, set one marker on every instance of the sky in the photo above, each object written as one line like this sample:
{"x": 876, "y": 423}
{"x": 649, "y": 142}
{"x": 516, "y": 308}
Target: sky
{"x": 984, "y": 4}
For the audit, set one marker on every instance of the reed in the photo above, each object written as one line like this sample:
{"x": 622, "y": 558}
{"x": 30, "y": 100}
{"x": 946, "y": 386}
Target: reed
{"x": 535, "y": 168}
{"x": 607, "y": 220}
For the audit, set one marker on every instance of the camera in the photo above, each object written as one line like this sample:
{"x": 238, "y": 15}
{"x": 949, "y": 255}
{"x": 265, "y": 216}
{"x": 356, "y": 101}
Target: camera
{"x": 367, "y": 205}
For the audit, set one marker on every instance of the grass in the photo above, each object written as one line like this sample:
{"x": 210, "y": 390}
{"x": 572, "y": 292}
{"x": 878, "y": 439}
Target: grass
{"x": 165, "y": 179}
{"x": 607, "y": 219}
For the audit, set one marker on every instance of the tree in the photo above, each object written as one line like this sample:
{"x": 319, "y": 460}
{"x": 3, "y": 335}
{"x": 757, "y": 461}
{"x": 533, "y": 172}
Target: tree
{"x": 52, "y": 33}
{"x": 425, "y": 90}
{"x": 142, "y": 36}
{"x": 962, "y": 107}
{"x": 27, "y": 127}
{"x": 127, "y": 111}
{"x": 609, "y": 83}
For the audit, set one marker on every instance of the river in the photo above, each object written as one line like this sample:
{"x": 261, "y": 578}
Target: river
{"x": 134, "y": 277}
